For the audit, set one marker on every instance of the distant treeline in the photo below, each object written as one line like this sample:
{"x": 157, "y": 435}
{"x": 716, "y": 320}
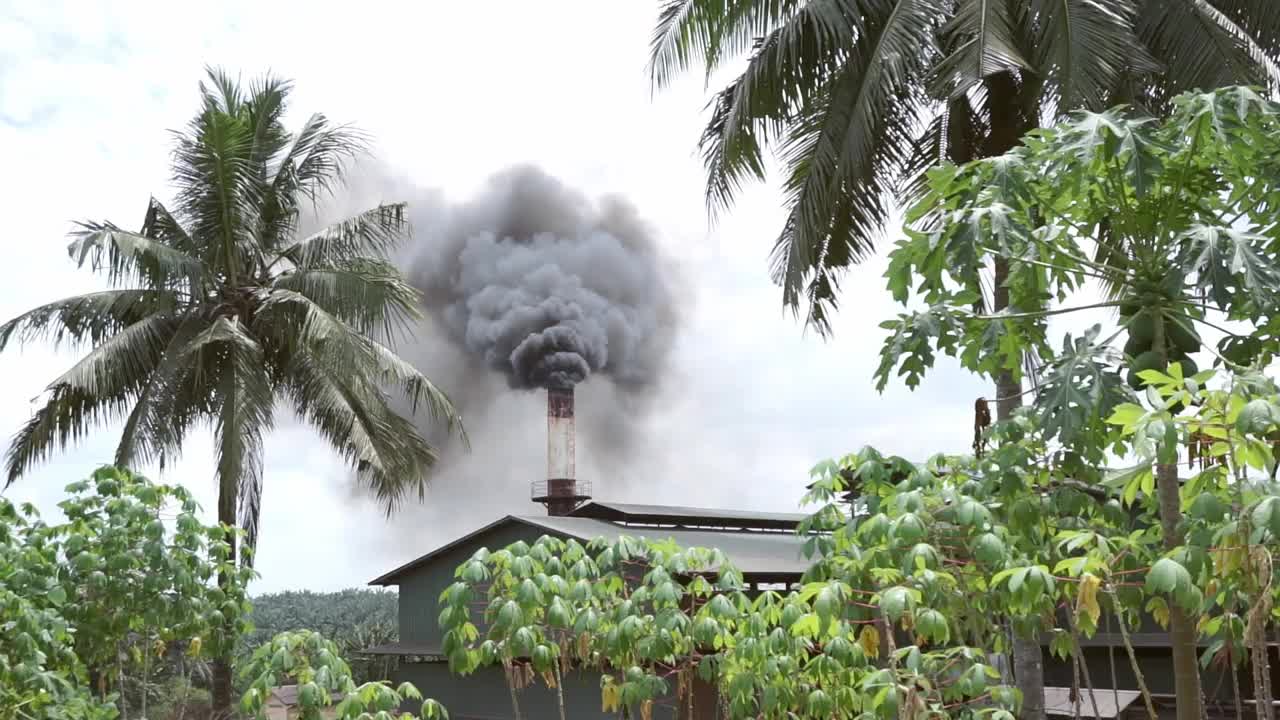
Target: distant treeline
{"x": 355, "y": 619}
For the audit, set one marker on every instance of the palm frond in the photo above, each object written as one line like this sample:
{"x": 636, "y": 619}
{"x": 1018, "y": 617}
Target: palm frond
{"x": 1259, "y": 43}
{"x": 132, "y": 258}
{"x": 955, "y": 134}
{"x": 1084, "y": 47}
{"x": 175, "y": 394}
{"x": 311, "y": 166}
{"x": 390, "y": 456}
{"x": 160, "y": 225}
{"x": 263, "y": 111}
{"x": 683, "y": 36}
{"x": 68, "y": 415}
{"x": 982, "y": 42}
{"x": 369, "y": 295}
{"x": 319, "y": 332}
{"x": 845, "y": 150}
{"x": 373, "y": 233}
{"x": 319, "y": 158}
{"x": 220, "y": 187}
{"x": 223, "y": 94}
{"x": 1196, "y": 51}
{"x": 789, "y": 65}
{"x": 91, "y": 318}
{"x": 123, "y": 360}
{"x": 1257, "y": 18}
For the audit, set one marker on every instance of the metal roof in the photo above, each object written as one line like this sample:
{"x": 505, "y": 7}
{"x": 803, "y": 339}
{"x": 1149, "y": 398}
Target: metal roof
{"x": 776, "y": 555}
{"x": 677, "y": 515}
{"x": 753, "y": 553}
{"x": 403, "y": 648}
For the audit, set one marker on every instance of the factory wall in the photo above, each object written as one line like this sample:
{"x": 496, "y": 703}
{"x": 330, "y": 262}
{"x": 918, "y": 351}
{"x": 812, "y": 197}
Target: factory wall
{"x": 420, "y": 588}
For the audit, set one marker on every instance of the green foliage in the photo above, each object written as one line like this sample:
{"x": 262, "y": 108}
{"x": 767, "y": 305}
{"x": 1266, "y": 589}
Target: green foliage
{"x": 654, "y": 619}
{"x": 355, "y": 619}
{"x": 314, "y": 664}
{"x": 910, "y": 589}
{"x": 860, "y": 98}
{"x": 1159, "y": 213}
{"x": 128, "y": 579}
{"x": 40, "y": 675}
{"x": 218, "y": 308}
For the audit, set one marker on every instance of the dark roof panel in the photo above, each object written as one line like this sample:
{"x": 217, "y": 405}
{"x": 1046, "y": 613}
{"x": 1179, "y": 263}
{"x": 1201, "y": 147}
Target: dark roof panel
{"x": 678, "y": 515}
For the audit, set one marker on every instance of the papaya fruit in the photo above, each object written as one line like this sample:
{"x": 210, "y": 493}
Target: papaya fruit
{"x": 1142, "y": 331}
{"x": 1134, "y": 347}
{"x": 1188, "y": 365}
{"x": 1180, "y": 333}
{"x": 1149, "y": 360}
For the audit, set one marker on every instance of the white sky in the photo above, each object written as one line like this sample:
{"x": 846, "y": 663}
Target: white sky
{"x": 451, "y": 93}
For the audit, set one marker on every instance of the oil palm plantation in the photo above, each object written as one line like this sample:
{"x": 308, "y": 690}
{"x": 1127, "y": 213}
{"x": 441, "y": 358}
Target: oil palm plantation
{"x": 859, "y": 97}
{"x": 218, "y": 309}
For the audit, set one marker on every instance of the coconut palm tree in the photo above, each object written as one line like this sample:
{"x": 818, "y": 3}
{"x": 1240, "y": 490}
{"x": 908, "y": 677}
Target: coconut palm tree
{"x": 860, "y": 97}
{"x": 217, "y": 309}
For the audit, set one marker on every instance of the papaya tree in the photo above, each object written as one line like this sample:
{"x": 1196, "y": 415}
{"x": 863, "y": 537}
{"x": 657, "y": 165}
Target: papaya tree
{"x": 1172, "y": 221}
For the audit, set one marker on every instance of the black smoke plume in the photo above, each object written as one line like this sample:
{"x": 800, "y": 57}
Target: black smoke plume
{"x": 546, "y": 285}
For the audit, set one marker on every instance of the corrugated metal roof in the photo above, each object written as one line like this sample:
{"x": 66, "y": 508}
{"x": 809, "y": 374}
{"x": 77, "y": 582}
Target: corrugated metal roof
{"x": 752, "y": 552}
{"x": 403, "y": 648}
{"x": 756, "y": 553}
{"x": 679, "y": 515}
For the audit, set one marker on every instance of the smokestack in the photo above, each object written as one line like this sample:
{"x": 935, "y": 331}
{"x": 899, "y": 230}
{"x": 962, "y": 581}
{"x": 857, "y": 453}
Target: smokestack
{"x": 560, "y": 492}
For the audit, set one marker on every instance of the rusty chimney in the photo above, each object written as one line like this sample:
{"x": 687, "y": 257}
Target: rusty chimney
{"x": 560, "y": 492}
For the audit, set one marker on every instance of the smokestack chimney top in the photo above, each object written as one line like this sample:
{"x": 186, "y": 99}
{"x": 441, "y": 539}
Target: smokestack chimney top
{"x": 560, "y": 492}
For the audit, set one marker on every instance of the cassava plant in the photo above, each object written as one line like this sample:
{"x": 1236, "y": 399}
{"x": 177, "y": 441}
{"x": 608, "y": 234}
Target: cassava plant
{"x": 323, "y": 679}
{"x": 102, "y": 601}
{"x": 655, "y": 619}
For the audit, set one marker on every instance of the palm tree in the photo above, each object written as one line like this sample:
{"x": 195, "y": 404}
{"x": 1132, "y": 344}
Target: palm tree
{"x": 218, "y": 309}
{"x": 860, "y": 97}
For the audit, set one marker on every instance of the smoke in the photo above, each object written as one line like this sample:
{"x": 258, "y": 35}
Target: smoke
{"x": 546, "y": 286}
{"x": 528, "y": 284}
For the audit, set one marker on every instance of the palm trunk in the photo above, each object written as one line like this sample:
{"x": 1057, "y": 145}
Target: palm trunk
{"x": 1182, "y": 631}
{"x": 220, "y": 694}
{"x": 1007, "y": 127}
{"x": 1028, "y": 658}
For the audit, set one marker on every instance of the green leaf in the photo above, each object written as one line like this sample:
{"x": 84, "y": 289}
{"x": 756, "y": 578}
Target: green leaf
{"x": 1079, "y": 389}
{"x": 1126, "y": 414}
{"x": 1258, "y": 416}
{"x": 1166, "y": 575}
{"x": 896, "y": 601}
{"x": 1266, "y": 514}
